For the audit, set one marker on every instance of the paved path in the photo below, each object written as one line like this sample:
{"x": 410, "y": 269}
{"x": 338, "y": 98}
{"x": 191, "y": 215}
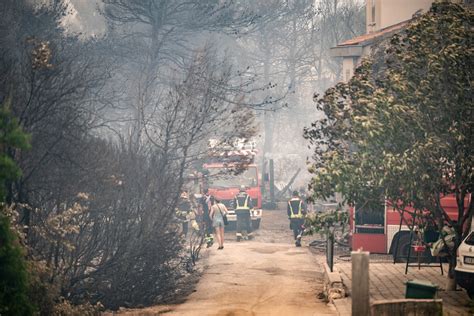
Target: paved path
{"x": 387, "y": 281}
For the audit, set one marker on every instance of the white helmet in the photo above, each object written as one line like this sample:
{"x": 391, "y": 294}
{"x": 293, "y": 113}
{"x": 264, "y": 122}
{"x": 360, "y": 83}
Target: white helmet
{"x": 242, "y": 188}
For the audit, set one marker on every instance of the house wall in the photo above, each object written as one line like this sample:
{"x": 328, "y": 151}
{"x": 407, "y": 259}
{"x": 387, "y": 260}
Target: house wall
{"x": 395, "y": 11}
{"x": 384, "y": 13}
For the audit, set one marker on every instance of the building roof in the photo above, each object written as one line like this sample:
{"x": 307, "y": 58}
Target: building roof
{"x": 354, "y": 46}
{"x": 370, "y": 37}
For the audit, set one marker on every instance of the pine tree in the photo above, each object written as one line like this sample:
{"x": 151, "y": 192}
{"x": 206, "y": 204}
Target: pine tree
{"x": 13, "y": 271}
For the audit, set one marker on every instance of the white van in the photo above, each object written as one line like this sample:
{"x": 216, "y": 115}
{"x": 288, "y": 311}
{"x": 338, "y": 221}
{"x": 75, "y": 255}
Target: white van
{"x": 465, "y": 264}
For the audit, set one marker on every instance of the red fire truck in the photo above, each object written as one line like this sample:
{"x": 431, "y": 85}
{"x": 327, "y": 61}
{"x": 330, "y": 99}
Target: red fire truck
{"x": 378, "y": 232}
{"x": 225, "y": 173}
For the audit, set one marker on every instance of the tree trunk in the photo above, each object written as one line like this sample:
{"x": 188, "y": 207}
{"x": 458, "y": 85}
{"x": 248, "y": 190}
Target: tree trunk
{"x": 268, "y": 114}
{"x": 450, "y": 281}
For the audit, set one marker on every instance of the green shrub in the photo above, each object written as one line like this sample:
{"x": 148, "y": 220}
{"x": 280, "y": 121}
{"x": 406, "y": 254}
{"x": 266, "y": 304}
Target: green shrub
{"x": 13, "y": 274}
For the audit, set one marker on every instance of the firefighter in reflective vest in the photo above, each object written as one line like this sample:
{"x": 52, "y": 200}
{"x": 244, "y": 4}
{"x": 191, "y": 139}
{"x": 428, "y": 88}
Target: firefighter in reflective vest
{"x": 296, "y": 212}
{"x": 183, "y": 211}
{"x": 243, "y": 205}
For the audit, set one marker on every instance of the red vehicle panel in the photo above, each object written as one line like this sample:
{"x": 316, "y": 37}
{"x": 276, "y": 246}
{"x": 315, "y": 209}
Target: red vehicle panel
{"x": 376, "y": 234}
{"x": 375, "y": 243}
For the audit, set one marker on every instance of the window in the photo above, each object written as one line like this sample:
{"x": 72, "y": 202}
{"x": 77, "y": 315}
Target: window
{"x": 370, "y": 219}
{"x": 373, "y": 12}
{"x": 470, "y": 239}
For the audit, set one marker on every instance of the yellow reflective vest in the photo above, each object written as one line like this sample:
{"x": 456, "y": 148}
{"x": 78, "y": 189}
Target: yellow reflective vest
{"x": 299, "y": 213}
{"x": 242, "y": 202}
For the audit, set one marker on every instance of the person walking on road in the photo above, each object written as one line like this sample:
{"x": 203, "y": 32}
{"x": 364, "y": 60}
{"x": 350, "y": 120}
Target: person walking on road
{"x": 218, "y": 210}
{"x": 296, "y": 213}
{"x": 243, "y": 205}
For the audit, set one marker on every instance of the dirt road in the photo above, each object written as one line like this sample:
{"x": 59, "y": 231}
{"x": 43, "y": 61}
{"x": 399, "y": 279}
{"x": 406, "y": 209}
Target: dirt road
{"x": 264, "y": 276}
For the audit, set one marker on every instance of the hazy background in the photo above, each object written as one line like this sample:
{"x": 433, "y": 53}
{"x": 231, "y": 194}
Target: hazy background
{"x": 288, "y": 47}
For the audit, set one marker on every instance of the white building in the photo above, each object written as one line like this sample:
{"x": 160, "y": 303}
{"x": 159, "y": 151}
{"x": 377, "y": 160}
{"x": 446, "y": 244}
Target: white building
{"x": 383, "y": 18}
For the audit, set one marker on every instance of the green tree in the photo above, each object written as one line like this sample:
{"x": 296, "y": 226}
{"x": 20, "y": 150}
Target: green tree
{"x": 11, "y": 137}
{"x": 13, "y": 272}
{"x": 402, "y": 127}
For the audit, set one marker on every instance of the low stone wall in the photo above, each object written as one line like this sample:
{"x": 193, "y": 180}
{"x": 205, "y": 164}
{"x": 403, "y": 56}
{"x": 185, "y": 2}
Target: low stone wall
{"x": 407, "y": 307}
{"x": 333, "y": 287}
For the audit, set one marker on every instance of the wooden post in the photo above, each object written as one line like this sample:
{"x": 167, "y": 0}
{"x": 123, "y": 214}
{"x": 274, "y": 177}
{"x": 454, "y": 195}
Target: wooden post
{"x": 360, "y": 283}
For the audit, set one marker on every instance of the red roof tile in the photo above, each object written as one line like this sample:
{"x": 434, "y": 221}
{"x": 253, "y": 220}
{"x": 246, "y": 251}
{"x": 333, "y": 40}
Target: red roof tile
{"x": 368, "y": 38}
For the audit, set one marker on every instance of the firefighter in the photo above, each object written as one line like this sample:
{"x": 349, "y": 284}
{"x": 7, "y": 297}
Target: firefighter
{"x": 184, "y": 210}
{"x": 206, "y": 206}
{"x": 296, "y": 212}
{"x": 243, "y": 205}
{"x": 195, "y": 217}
